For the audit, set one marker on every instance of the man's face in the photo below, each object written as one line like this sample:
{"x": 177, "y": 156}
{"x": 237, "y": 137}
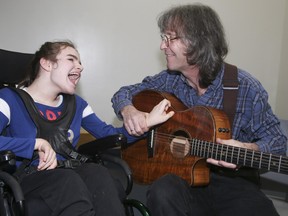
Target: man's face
{"x": 175, "y": 50}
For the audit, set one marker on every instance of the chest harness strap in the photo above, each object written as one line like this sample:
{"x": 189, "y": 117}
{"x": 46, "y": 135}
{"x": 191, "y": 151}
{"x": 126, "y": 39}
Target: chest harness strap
{"x": 55, "y": 132}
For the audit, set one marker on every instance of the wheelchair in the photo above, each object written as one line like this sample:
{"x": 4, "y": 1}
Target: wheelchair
{"x": 11, "y": 196}
{"x": 12, "y": 200}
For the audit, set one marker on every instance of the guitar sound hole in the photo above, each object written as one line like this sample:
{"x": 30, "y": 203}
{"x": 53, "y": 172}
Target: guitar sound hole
{"x": 179, "y": 145}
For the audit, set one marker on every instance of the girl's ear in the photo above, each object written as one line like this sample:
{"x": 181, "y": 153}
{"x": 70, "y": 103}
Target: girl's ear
{"x": 45, "y": 64}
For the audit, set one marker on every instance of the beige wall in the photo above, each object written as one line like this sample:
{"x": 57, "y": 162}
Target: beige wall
{"x": 282, "y": 90}
{"x": 119, "y": 40}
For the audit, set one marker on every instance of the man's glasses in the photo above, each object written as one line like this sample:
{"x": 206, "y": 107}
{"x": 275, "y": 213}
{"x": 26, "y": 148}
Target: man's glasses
{"x": 166, "y": 39}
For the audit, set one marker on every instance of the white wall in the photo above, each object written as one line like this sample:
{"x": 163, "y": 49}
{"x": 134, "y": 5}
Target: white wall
{"x": 119, "y": 40}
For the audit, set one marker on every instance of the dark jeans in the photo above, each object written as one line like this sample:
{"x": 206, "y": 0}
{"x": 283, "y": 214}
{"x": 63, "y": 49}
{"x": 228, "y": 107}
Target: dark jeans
{"x": 87, "y": 190}
{"x": 224, "y": 196}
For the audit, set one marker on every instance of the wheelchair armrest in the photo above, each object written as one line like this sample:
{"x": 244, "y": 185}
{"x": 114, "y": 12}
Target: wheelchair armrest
{"x": 7, "y": 161}
{"x": 138, "y": 205}
{"x": 99, "y": 145}
{"x": 14, "y": 186}
{"x": 96, "y": 151}
{"x": 6, "y": 156}
{"x": 7, "y": 167}
{"x": 125, "y": 167}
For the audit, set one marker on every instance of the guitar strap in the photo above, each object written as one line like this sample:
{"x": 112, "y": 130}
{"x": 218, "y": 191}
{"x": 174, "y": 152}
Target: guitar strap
{"x": 230, "y": 91}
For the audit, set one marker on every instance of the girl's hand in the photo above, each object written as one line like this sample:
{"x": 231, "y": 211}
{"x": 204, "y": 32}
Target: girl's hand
{"x": 47, "y": 156}
{"x": 159, "y": 114}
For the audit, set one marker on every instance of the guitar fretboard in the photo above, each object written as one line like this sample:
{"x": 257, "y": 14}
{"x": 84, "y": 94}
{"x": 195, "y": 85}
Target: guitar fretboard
{"x": 240, "y": 156}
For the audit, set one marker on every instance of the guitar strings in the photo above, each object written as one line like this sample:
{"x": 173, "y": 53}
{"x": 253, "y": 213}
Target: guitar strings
{"x": 232, "y": 154}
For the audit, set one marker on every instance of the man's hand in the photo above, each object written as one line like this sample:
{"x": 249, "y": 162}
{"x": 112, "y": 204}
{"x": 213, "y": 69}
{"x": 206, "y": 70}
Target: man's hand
{"x": 137, "y": 122}
{"x": 134, "y": 120}
{"x": 47, "y": 156}
{"x": 235, "y": 143}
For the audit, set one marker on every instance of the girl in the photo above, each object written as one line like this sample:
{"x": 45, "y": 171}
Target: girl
{"x": 50, "y": 85}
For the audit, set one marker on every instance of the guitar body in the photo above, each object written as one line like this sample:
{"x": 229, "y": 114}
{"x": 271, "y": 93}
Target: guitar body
{"x": 169, "y": 151}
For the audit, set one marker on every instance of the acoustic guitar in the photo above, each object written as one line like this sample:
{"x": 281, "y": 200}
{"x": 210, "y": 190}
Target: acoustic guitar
{"x": 181, "y": 145}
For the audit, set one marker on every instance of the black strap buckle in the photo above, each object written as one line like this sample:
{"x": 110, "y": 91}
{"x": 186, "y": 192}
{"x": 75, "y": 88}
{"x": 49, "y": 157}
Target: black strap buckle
{"x": 70, "y": 164}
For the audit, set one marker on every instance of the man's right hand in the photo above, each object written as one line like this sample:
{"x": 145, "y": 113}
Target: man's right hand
{"x": 134, "y": 120}
{"x": 137, "y": 122}
{"x": 47, "y": 156}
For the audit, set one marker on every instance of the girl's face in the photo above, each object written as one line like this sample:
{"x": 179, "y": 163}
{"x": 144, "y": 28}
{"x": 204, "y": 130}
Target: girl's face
{"x": 66, "y": 71}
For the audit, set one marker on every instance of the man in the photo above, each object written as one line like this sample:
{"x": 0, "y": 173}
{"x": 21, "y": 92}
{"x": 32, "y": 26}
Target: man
{"x": 193, "y": 41}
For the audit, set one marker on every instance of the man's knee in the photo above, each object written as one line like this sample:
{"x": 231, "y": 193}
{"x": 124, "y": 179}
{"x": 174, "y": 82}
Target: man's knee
{"x": 166, "y": 187}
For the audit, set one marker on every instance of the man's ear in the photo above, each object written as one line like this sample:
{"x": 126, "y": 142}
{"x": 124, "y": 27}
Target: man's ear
{"x": 46, "y": 64}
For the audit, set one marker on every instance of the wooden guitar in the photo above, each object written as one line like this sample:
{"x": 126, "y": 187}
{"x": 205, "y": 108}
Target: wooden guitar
{"x": 181, "y": 144}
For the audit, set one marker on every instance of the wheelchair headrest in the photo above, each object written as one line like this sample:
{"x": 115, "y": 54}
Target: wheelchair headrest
{"x": 13, "y": 66}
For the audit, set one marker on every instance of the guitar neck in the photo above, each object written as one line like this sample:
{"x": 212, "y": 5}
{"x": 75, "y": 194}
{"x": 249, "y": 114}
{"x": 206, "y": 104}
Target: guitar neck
{"x": 240, "y": 156}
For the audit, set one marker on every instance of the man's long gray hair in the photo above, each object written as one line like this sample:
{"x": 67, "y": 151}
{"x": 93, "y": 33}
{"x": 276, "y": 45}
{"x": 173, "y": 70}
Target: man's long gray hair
{"x": 200, "y": 28}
